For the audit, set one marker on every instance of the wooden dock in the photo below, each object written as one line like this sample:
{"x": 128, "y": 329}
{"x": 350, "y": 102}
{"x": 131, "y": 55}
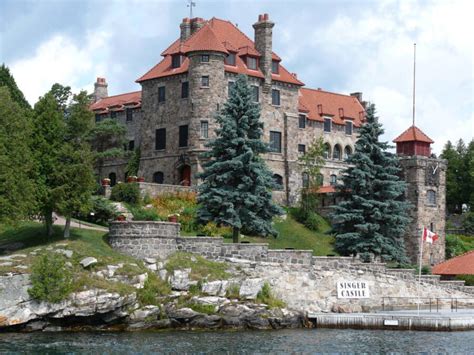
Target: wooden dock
{"x": 402, "y": 320}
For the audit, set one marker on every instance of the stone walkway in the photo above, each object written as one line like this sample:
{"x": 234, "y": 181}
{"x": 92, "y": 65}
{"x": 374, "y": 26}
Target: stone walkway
{"x": 61, "y": 221}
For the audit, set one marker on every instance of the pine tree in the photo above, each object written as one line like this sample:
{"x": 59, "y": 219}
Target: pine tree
{"x": 17, "y": 195}
{"x": 6, "y": 79}
{"x": 372, "y": 216}
{"x": 237, "y": 185}
{"x": 454, "y": 193}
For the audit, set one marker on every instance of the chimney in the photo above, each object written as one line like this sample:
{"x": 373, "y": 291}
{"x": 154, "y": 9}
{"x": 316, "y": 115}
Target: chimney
{"x": 357, "y": 95}
{"x": 196, "y": 24}
{"x": 185, "y": 29}
{"x": 100, "y": 89}
{"x": 263, "y": 44}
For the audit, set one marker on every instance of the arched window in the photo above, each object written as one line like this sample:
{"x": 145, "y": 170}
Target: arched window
{"x": 158, "y": 177}
{"x": 320, "y": 179}
{"x": 327, "y": 151}
{"x": 305, "y": 178}
{"x": 333, "y": 180}
{"x": 278, "y": 179}
{"x": 113, "y": 179}
{"x": 431, "y": 197}
{"x": 347, "y": 152}
{"x": 337, "y": 152}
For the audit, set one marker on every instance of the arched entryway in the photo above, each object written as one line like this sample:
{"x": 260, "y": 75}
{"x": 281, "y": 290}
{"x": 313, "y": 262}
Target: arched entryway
{"x": 185, "y": 175}
{"x": 113, "y": 179}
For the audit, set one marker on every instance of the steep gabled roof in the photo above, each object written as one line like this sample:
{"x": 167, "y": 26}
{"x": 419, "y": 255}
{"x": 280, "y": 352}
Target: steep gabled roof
{"x": 130, "y": 98}
{"x": 413, "y": 134}
{"x": 221, "y": 36}
{"x": 459, "y": 265}
{"x": 318, "y": 103}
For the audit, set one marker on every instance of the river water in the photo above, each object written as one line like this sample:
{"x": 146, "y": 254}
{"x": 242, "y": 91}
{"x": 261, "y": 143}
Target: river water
{"x": 241, "y": 342}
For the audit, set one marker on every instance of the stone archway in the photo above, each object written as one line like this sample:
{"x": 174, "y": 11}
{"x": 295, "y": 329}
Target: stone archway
{"x": 184, "y": 173}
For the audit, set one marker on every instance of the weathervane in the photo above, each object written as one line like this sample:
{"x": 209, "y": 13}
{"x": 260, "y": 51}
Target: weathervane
{"x": 191, "y": 4}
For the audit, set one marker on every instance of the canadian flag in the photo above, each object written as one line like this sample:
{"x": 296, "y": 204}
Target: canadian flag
{"x": 429, "y": 236}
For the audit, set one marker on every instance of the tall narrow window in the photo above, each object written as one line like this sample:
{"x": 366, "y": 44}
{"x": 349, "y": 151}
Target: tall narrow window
{"x": 301, "y": 149}
{"x": 255, "y": 93}
{"x": 347, "y": 152}
{"x": 327, "y": 125}
{"x": 161, "y": 94}
{"x": 175, "y": 61}
{"x": 337, "y": 152}
{"x": 204, "y": 129}
{"x": 275, "y": 141}
{"x": 129, "y": 114}
{"x": 205, "y": 81}
{"x": 184, "y": 89}
{"x": 252, "y": 63}
{"x": 183, "y": 136}
{"x": 97, "y": 117}
{"x": 327, "y": 151}
{"x": 305, "y": 178}
{"x": 160, "y": 139}
{"x": 230, "y": 59}
{"x": 275, "y": 97}
{"x": 113, "y": 114}
{"x": 275, "y": 67}
{"x": 278, "y": 179}
{"x": 333, "y": 180}
{"x": 230, "y": 87}
{"x": 302, "y": 121}
{"x": 349, "y": 128}
{"x": 205, "y": 58}
{"x": 431, "y": 197}
{"x": 320, "y": 179}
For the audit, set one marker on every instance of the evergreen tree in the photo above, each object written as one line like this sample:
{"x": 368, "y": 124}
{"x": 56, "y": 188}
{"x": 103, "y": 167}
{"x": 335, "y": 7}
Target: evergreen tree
{"x": 6, "y": 79}
{"x": 469, "y": 163}
{"x": 17, "y": 196}
{"x": 454, "y": 193}
{"x": 372, "y": 216}
{"x": 237, "y": 185}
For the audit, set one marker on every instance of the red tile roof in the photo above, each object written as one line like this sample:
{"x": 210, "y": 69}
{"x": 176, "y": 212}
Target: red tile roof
{"x": 459, "y": 265}
{"x": 117, "y": 102}
{"x": 413, "y": 134}
{"x": 216, "y": 35}
{"x": 318, "y": 103}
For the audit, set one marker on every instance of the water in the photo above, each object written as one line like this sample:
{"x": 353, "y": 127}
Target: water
{"x": 242, "y": 342}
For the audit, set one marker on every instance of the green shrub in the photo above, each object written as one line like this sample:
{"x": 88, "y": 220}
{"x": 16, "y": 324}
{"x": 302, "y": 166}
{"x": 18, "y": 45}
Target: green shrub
{"x": 313, "y": 221}
{"x": 187, "y": 218}
{"x": 202, "y": 308}
{"x": 129, "y": 193}
{"x": 102, "y": 211}
{"x": 233, "y": 291}
{"x": 153, "y": 288}
{"x": 468, "y": 278}
{"x": 426, "y": 270}
{"x": 51, "y": 280}
{"x": 265, "y": 296}
{"x": 144, "y": 214}
{"x": 458, "y": 244}
{"x": 468, "y": 223}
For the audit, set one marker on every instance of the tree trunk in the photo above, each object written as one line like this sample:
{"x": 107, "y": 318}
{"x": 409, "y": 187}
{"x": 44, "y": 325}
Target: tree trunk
{"x": 67, "y": 227}
{"x": 48, "y": 219}
{"x": 235, "y": 234}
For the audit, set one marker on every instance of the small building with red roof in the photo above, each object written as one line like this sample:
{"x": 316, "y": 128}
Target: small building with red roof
{"x": 459, "y": 265}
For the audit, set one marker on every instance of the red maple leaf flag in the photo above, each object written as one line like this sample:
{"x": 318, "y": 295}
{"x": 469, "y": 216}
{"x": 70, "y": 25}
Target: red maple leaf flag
{"x": 429, "y": 236}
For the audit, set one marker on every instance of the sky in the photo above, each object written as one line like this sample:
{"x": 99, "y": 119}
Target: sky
{"x": 341, "y": 46}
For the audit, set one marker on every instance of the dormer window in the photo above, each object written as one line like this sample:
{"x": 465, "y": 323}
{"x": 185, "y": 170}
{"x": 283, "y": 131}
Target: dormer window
{"x": 252, "y": 63}
{"x": 230, "y": 59}
{"x": 175, "y": 60}
{"x": 275, "y": 67}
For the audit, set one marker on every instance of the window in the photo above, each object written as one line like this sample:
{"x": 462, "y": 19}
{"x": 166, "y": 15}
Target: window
{"x": 183, "y": 136}
{"x": 255, "y": 93}
{"x": 230, "y": 59}
{"x": 160, "y": 139}
{"x": 275, "y": 67}
{"x": 129, "y": 114}
{"x": 161, "y": 94}
{"x": 184, "y": 89}
{"x": 252, "y": 63}
{"x": 349, "y": 128}
{"x": 278, "y": 179}
{"x": 320, "y": 179}
{"x": 327, "y": 125}
{"x": 205, "y": 58}
{"x": 205, "y": 81}
{"x": 113, "y": 114}
{"x": 347, "y": 152}
{"x": 275, "y": 141}
{"x": 158, "y": 177}
{"x": 301, "y": 149}
{"x": 305, "y": 178}
{"x": 97, "y": 117}
{"x": 327, "y": 151}
{"x": 204, "y": 129}
{"x": 230, "y": 87}
{"x": 301, "y": 121}
{"x": 131, "y": 145}
{"x": 431, "y": 197}
{"x": 175, "y": 61}
{"x": 275, "y": 97}
{"x": 333, "y": 180}
{"x": 336, "y": 154}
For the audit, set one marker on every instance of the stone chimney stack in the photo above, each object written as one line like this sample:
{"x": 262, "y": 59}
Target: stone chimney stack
{"x": 100, "y": 89}
{"x": 196, "y": 24}
{"x": 185, "y": 29}
{"x": 263, "y": 44}
{"x": 358, "y": 96}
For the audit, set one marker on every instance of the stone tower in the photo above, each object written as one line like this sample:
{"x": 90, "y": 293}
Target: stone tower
{"x": 426, "y": 191}
{"x": 100, "y": 89}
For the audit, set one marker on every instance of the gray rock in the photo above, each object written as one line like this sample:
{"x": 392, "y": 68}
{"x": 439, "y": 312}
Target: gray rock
{"x": 67, "y": 253}
{"x": 150, "y": 260}
{"x": 146, "y": 312}
{"x": 6, "y": 263}
{"x": 182, "y": 315}
{"x": 250, "y": 288}
{"x": 215, "y": 288}
{"x": 206, "y": 321}
{"x": 151, "y": 267}
{"x": 180, "y": 280}
{"x": 163, "y": 274}
{"x": 86, "y": 262}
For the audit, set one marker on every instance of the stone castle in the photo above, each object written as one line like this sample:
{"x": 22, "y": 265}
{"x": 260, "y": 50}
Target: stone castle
{"x": 172, "y": 118}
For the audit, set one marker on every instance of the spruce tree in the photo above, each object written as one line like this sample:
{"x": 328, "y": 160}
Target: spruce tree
{"x": 453, "y": 175}
{"x": 6, "y": 79}
{"x": 372, "y": 216}
{"x": 237, "y": 185}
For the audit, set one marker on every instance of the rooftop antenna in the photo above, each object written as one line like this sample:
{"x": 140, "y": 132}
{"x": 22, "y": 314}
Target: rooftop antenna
{"x": 414, "y": 75}
{"x": 191, "y": 4}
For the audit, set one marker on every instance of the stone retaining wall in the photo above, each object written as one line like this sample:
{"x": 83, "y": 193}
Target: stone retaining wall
{"x": 153, "y": 190}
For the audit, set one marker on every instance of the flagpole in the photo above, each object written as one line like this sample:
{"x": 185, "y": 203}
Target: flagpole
{"x": 419, "y": 269}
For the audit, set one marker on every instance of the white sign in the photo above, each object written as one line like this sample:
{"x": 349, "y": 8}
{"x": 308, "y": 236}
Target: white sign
{"x": 390, "y": 322}
{"x": 353, "y": 289}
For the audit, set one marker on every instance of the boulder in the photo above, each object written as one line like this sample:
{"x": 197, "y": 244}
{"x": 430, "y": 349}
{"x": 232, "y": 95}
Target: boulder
{"x": 86, "y": 262}
{"x": 346, "y": 308}
{"x": 146, "y": 312}
{"x": 151, "y": 267}
{"x": 250, "y": 288}
{"x": 67, "y": 253}
{"x": 180, "y": 280}
{"x": 215, "y": 288}
{"x": 150, "y": 260}
{"x": 163, "y": 274}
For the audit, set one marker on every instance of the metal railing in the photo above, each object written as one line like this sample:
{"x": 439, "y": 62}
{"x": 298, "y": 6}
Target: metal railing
{"x": 455, "y": 303}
